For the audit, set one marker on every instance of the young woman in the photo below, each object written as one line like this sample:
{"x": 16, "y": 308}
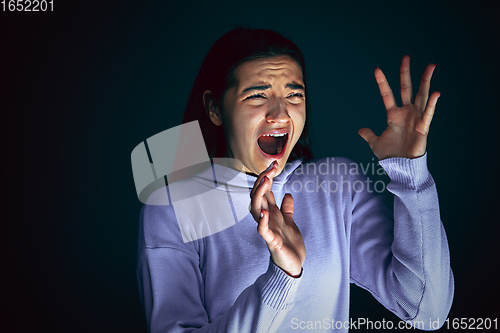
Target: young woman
{"x": 250, "y": 99}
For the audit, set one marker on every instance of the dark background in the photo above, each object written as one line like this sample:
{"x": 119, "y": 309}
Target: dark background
{"x": 83, "y": 85}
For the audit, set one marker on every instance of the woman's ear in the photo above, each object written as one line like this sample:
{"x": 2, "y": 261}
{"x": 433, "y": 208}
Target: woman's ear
{"x": 212, "y": 108}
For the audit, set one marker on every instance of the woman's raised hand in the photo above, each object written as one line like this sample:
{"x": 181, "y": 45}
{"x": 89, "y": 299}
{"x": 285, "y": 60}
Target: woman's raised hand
{"x": 276, "y": 226}
{"x": 408, "y": 125}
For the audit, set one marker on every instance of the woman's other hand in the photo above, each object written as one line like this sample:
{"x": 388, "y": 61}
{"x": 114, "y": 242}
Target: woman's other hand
{"x": 408, "y": 125}
{"x": 276, "y": 226}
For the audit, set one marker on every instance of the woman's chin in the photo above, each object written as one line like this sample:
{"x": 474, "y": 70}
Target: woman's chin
{"x": 268, "y": 159}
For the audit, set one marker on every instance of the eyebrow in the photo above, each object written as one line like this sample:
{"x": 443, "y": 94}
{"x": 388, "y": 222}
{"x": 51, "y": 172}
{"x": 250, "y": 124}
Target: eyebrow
{"x": 289, "y": 85}
{"x": 295, "y": 86}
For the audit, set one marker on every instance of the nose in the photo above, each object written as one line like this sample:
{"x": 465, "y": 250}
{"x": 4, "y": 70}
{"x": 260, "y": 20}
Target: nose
{"x": 277, "y": 112}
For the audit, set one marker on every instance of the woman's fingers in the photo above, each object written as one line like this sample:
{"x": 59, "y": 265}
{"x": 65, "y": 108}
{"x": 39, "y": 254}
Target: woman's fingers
{"x": 263, "y": 184}
{"x": 368, "y": 135}
{"x": 269, "y": 195}
{"x": 429, "y": 111}
{"x": 259, "y": 200}
{"x": 287, "y": 208}
{"x": 270, "y": 172}
{"x": 423, "y": 90}
{"x": 282, "y": 236}
{"x": 385, "y": 89}
{"x": 406, "y": 89}
{"x": 263, "y": 227}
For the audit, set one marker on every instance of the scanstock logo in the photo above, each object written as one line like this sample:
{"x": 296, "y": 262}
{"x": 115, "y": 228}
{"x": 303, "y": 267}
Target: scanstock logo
{"x": 172, "y": 168}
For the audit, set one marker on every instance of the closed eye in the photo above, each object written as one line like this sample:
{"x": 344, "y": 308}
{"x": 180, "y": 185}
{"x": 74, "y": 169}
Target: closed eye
{"x": 296, "y": 95}
{"x": 256, "y": 96}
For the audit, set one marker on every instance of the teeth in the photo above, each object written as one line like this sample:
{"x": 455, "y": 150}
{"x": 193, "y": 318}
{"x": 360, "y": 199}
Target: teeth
{"x": 276, "y": 135}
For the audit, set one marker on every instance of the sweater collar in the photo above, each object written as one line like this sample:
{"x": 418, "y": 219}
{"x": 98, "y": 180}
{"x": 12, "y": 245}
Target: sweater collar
{"x": 216, "y": 175}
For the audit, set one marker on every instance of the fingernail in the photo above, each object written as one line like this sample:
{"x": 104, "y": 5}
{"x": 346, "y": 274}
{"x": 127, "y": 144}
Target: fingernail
{"x": 261, "y": 213}
{"x": 270, "y": 166}
{"x": 439, "y": 94}
{"x": 262, "y": 180}
{"x": 377, "y": 67}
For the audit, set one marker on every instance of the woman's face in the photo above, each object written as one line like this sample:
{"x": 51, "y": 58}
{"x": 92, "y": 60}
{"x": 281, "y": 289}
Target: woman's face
{"x": 264, "y": 112}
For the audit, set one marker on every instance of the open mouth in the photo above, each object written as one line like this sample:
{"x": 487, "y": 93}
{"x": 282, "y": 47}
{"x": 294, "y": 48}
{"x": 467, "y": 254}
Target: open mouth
{"x": 273, "y": 144}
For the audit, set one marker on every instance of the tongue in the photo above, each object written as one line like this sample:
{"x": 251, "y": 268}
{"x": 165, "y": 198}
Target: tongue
{"x": 270, "y": 145}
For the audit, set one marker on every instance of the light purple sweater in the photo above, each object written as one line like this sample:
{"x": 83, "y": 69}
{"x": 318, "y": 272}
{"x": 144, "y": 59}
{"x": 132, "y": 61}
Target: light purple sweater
{"x": 202, "y": 265}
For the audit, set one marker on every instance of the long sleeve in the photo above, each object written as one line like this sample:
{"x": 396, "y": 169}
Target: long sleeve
{"x": 404, "y": 262}
{"x": 171, "y": 284}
